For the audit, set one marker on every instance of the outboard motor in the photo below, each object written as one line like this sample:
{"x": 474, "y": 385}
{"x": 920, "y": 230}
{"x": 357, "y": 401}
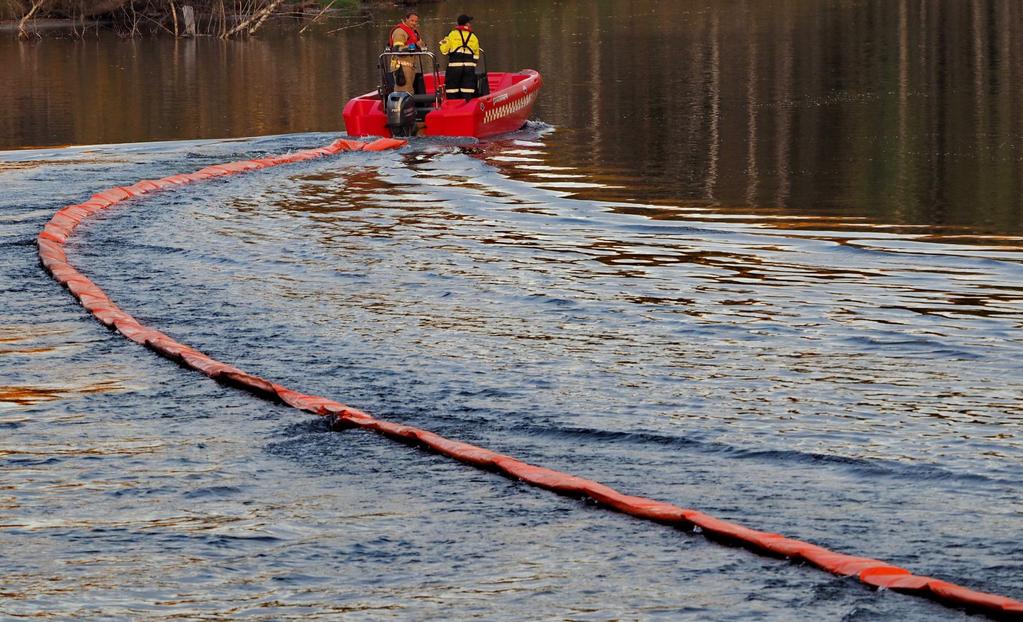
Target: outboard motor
{"x": 401, "y": 114}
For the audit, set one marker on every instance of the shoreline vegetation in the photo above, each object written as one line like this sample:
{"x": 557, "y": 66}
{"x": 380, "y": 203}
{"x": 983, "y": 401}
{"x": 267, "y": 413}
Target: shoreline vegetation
{"x": 226, "y": 19}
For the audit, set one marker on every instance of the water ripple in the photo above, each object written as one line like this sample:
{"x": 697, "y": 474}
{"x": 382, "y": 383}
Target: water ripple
{"x": 828, "y": 380}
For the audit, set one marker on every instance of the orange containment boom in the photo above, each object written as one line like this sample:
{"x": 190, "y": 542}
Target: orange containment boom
{"x": 53, "y": 257}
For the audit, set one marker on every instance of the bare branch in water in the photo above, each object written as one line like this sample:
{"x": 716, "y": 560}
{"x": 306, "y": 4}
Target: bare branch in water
{"x": 318, "y": 16}
{"x": 255, "y": 20}
{"x": 22, "y": 31}
{"x": 346, "y": 27}
{"x": 174, "y": 14}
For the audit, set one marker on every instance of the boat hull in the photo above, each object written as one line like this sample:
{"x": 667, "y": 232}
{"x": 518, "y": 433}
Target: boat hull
{"x": 505, "y": 109}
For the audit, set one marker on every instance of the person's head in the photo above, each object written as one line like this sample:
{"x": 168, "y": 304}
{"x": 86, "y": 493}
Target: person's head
{"x": 463, "y": 20}
{"x": 411, "y": 19}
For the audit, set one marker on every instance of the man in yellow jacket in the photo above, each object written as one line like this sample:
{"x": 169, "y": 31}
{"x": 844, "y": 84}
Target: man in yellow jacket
{"x": 463, "y": 49}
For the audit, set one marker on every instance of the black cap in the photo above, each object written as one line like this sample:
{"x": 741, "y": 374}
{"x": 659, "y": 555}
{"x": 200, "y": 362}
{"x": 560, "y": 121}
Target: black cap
{"x": 464, "y": 19}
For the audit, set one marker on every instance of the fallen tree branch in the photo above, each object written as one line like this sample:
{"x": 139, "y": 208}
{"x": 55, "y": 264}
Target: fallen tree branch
{"x": 160, "y": 24}
{"x": 255, "y": 21}
{"x": 318, "y": 16}
{"x": 22, "y": 31}
{"x": 340, "y": 28}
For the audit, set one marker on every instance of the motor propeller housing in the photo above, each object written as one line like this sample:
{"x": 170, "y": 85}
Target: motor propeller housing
{"x": 401, "y": 114}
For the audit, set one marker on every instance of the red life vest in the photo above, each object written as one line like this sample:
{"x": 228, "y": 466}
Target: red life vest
{"x": 413, "y": 35}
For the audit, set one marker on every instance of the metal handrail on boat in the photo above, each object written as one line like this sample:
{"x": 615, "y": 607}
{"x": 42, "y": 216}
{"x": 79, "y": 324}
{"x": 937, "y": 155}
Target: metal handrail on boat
{"x": 386, "y": 86}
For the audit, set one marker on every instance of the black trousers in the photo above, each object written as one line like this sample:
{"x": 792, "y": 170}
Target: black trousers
{"x": 460, "y": 80}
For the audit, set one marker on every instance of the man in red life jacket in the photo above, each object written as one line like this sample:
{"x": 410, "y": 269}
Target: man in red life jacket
{"x": 463, "y": 49}
{"x": 405, "y": 38}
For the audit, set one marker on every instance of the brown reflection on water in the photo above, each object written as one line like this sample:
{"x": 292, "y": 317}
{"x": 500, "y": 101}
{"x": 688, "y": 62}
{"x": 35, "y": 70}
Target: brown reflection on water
{"x": 23, "y": 338}
{"x": 891, "y": 111}
{"x": 900, "y": 112}
{"x": 118, "y": 448}
{"x": 21, "y": 166}
{"x": 29, "y": 395}
{"x": 113, "y": 90}
{"x": 25, "y": 396}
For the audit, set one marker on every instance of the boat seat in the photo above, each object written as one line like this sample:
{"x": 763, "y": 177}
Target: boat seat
{"x": 424, "y": 105}
{"x": 426, "y": 99}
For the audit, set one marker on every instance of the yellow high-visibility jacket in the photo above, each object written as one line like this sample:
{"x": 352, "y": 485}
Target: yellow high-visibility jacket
{"x": 453, "y": 43}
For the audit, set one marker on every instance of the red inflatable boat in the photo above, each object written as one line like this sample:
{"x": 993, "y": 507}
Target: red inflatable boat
{"x": 503, "y": 103}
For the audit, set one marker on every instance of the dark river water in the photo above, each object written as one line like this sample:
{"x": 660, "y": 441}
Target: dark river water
{"x": 764, "y": 260}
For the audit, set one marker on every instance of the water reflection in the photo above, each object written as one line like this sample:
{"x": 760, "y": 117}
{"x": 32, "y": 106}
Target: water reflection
{"x": 20, "y": 395}
{"x": 899, "y": 112}
{"x": 816, "y": 380}
{"x": 741, "y": 281}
